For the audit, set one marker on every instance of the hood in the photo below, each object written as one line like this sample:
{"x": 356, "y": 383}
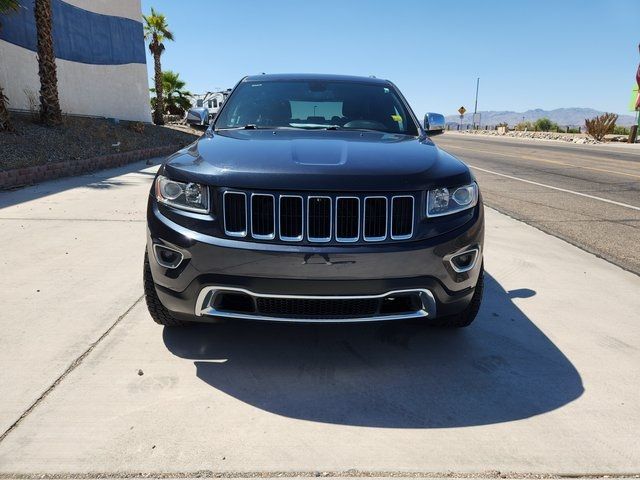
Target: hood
{"x": 317, "y": 160}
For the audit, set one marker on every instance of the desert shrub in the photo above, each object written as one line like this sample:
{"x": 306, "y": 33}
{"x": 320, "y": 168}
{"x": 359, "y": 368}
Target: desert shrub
{"x": 137, "y": 127}
{"x": 620, "y": 130}
{"x": 525, "y": 126}
{"x": 545, "y": 125}
{"x": 601, "y": 125}
{"x": 34, "y": 106}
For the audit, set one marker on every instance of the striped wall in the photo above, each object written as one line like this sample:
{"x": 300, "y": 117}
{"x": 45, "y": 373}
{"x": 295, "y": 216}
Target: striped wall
{"x": 100, "y": 53}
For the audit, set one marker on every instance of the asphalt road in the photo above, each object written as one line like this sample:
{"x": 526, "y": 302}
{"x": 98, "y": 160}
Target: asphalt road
{"x": 544, "y": 382}
{"x": 587, "y": 195}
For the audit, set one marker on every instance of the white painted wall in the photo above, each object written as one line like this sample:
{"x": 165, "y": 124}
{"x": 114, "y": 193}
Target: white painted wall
{"x": 119, "y": 8}
{"x": 114, "y": 91}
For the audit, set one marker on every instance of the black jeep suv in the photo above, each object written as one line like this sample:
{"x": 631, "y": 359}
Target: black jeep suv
{"x": 315, "y": 198}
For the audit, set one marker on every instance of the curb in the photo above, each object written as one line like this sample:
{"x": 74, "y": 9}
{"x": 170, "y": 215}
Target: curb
{"x": 21, "y": 177}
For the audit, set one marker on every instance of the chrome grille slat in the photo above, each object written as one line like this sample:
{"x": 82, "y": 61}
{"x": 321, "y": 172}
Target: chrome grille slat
{"x": 291, "y": 225}
{"x": 263, "y": 216}
{"x": 319, "y": 218}
{"x": 374, "y": 228}
{"x": 347, "y": 222}
{"x": 235, "y": 213}
{"x": 402, "y": 217}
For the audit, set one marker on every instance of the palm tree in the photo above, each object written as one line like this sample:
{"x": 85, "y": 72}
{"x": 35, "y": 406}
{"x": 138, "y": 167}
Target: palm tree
{"x": 156, "y": 31}
{"x": 177, "y": 99}
{"x": 50, "y": 112}
{"x": 6, "y": 6}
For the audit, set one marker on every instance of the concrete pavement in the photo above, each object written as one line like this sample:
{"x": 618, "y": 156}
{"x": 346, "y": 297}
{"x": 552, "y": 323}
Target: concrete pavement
{"x": 546, "y": 380}
{"x": 74, "y": 266}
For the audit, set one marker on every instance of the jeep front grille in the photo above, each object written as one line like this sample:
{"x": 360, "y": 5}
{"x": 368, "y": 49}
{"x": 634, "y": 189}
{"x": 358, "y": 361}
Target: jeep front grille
{"x": 318, "y": 218}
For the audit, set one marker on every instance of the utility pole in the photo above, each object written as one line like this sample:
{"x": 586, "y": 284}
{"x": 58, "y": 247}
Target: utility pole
{"x": 475, "y": 108}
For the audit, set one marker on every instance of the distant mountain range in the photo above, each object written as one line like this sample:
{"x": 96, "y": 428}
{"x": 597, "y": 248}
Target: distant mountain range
{"x": 561, "y": 116}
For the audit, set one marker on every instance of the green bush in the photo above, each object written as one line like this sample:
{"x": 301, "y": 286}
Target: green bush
{"x": 545, "y": 125}
{"x": 540, "y": 125}
{"x": 620, "y": 130}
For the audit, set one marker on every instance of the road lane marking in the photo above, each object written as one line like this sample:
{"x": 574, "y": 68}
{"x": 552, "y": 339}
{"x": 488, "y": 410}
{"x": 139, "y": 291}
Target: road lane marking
{"x": 579, "y": 150}
{"x": 593, "y": 197}
{"x": 530, "y": 157}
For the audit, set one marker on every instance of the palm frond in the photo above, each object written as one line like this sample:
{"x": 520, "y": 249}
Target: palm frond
{"x": 156, "y": 27}
{"x": 176, "y": 98}
{"x": 7, "y": 6}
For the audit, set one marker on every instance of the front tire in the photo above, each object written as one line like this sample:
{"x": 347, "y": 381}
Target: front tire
{"x": 158, "y": 312}
{"x": 468, "y": 315}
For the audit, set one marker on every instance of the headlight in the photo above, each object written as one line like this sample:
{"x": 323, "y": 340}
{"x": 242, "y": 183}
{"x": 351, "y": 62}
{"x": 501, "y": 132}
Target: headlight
{"x": 185, "y": 196}
{"x": 445, "y": 201}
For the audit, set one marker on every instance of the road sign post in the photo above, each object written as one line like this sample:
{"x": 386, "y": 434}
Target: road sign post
{"x": 461, "y": 111}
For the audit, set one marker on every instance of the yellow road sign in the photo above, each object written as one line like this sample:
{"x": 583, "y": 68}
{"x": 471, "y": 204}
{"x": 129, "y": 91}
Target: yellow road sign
{"x": 461, "y": 110}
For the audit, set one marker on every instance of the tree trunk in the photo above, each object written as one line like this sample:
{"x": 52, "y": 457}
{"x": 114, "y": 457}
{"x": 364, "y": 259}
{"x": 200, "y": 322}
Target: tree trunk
{"x": 158, "y": 118}
{"x": 5, "y": 119}
{"x": 50, "y": 112}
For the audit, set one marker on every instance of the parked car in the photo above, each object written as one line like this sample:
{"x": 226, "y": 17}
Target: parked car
{"x": 315, "y": 198}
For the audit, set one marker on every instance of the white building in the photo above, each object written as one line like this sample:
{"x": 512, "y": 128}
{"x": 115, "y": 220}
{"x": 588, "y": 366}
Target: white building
{"x": 101, "y": 62}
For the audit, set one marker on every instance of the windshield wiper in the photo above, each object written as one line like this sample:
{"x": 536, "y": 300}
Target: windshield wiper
{"x": 315, "y": 126}
{"x": 318, "y": 126}
{"x": 253, "y": 126}
{"x": 248, "y": 126}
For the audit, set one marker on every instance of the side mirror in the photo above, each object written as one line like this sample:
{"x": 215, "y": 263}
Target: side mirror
{"x": 434, "y": 123}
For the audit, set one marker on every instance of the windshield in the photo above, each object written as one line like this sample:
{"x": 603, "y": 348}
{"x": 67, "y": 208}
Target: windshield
{"x": 316, "y": 104}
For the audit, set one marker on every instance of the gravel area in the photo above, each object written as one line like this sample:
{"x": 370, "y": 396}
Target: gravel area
{"x": 80, "y": 138}
{"x": 579, "y": 138}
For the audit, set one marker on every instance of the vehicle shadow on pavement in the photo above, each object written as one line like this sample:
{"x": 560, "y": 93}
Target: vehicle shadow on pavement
{"x": 99, "y": 180}
{"x": 394, "y": 375}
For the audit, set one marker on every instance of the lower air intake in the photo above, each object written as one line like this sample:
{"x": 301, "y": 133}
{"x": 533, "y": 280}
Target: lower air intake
{"x": 317, "y": 308}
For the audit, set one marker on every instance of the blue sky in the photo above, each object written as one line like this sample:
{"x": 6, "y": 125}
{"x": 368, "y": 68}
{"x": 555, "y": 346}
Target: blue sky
{"x": 528, "y": 54}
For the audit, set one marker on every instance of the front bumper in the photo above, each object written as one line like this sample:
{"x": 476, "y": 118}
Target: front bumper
{"x": 310, "y": 271}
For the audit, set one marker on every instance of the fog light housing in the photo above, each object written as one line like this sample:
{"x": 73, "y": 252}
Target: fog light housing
{"x": 464, "y": 261}
{"x": 167, "y": 257}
